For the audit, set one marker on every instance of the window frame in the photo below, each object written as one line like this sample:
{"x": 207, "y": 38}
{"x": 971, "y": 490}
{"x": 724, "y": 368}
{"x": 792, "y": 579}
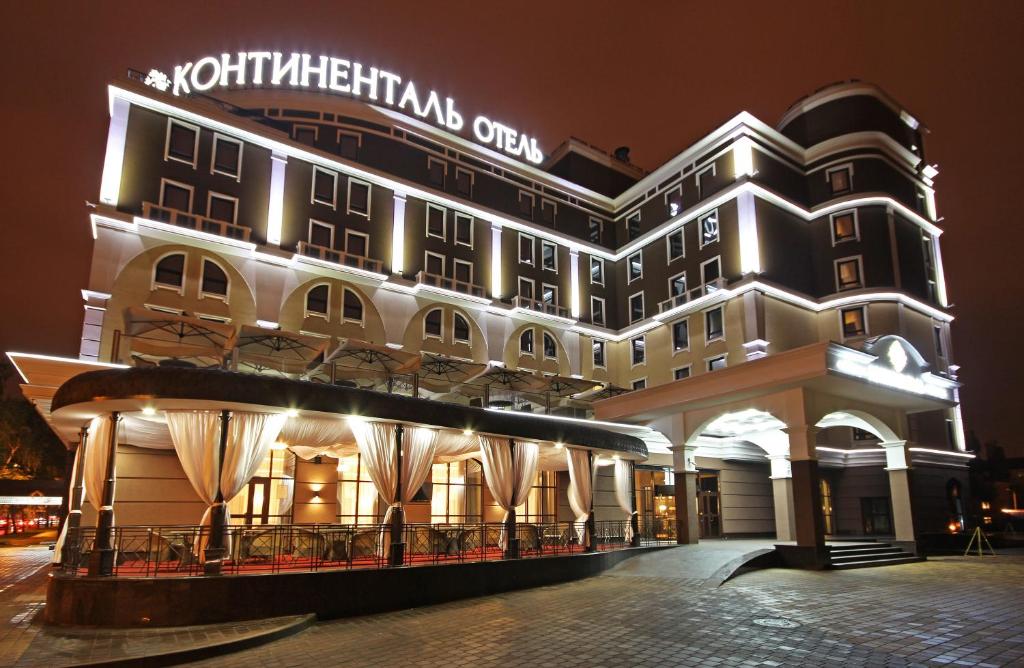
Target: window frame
{"x": 685, "y": 348}
{"x": 355, "y": 233}
{"x": 217, "y": 138}
{"x": 472, "y": 180}
{"x": 533, "y": 203}
{"x": 672, "y": 279}
{"x": 544, "y": 243}
{"x": 832, "y": 226}
{"x": 369, "y": 198}
{"x": 643, "y": 307}
{"x": 632, "y": 351}
{"x": 309, "y": 232}
{"x": 858, "y": 259}
{"x": 431, "y": 160}
{"x": 600, "y": 263}
{"x": 639, "y": 220}
{"x": 444, "y": 222}
{"x": 164, "y": 182}
{"x": 156, "y": 285}
{"x": 469, "y": 330}
{"x": 554, "y": 210}
{"x": 303, "y": 126}
{"x": 687, "y": 367}
{"x": 603, "y": 345}
{"x": 554, "y": 292}
{"x": 362, "y": 309}
{"x": 533, "y": 287}
{"x": 455, "y": 263}
{"x": 195, "y": 144}
{"x": 604, "y": 312}
{"x": 533, "y": 250}
{"x": 463, "y": 216}
{"x": 600, "y": 229}
{"x": 312, "y": 188}
{"x": 427, "y": 254}
{"x": 677, "y": 188}
{"x": 533, "y": 343}
{"x": 681, "y": 231}
{"x": 545, "y": 336}
{"x": 848, "y": 168}
{"x": 700, "y": 228}
{"x": 629, "y": 266}
{"x": 316, "y": 314}
{"x": 701, "y": 172}
{"x": 708, "y": 361}
{"x": 209, "y": 206}
{"x": 440, "y": 335}
{"x": 202, "y": 276}
{"x": 707, "y": 334}
{"x": 642, "y": 382}
{"x": 863, "y": 308}
{"x": 349, "y": 133}
{"x": 718, "y": 259}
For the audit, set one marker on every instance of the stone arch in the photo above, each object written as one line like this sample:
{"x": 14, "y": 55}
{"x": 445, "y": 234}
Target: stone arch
{"x": 294, "y": 318}
{"x": 513, "y": 359}
{"x": 416, "y": 340}
{"x": 859, "y": 419}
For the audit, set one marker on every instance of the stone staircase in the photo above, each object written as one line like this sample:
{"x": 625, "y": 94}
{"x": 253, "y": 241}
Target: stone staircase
{"x": 865, "y": 554}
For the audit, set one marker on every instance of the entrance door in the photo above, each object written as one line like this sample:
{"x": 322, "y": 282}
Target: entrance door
{"x": 257, "y": 510}
{"x": 874, "y": 512}
{"x": 828, "y": 519}
{"x": 708, "y": 509}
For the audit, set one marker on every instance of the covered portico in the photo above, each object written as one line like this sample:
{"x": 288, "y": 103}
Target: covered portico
{"x": 774, "y": 409}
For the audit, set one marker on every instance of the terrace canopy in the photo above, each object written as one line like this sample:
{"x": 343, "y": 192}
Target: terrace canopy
{"x": 261, "y": 349}
{"x": 194, "y": 341}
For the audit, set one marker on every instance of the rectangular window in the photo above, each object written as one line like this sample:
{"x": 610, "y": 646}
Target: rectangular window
{"x": 854, "y": 322}
{"x": 676, "y": 247}
{"x": 840, "y": 179}
{"x": 636, "y": 307}
{"x": 597, "y": 310}
{"x": 844, "y": 227}
{"x": 638, "y": 350}
{"x": 463, "y": 182}
{"x": 176, "y": 196}
{"x": 526, "y": 288}
{"x": 222, "y": 207}
{"x": 680, "y": 335}
{"x": 462, "y": 271}
{"x": 677, "y": 285}
{"x": 635, "y": 266}
{"x": 359, "y": 198}
{"x": 548, "y": 211}
{"x": 549, "y": 255}
{"x": 940, "y": 348}
{"x": 640, "y": 384}
{"x": 716, "y": 363}
{"x": 674, "y": 200}
{"x": 357, "y": 243}
{"x": 434, "y": 263}
{"x": 463, "y": 230}
{"x": 596, "y": 271}
{"x": 435, "y": 222}
{"x": 325, "y": 187}
{"x": 227, "y": 157}
{"x": 594, "y": 230}
{"x": 848, "y": 274}
{"x": 436, "y": 170}
{"x": 182, "y": 142}
{"x": 711, "y": 270}
{"x": 598, "y": 349}
{"x": 526, "y": 202}
{"x": 681, "y": 372}
{"x": 705, "y": 185}
{"x": 305, "y": 134}
{"x": 548, "y": 293}
{"x": 714, "y": 324}
{"x": 349, "y": 144}
{"x": 321, "y": 234}
{"x": 525, "y": 248}
{"x": 633, "y": 226}
{"x": 708, "y": 226}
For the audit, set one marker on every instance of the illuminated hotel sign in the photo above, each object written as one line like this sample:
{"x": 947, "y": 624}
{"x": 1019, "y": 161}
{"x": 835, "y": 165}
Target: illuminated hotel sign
{"x": 265, "y": 69}
{"x": 891, "y": 362}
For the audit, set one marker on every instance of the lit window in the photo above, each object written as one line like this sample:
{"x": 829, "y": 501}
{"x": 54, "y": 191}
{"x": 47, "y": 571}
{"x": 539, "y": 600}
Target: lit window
{"x": 681, "y": 373}
{"x": 597, "y": 310}
{"x": 316, "y": 300}
{"x": 550, "y": 348}
{"x": 640, "y": 384}
{"x": 844, "y": 227}
{"x": 594, "y": 230}
{"x": 321, "y": 234}
{"x": 598, "y": 349}
{"x": 547, "y": 211}
{"x": 358, "y": 197}
{"x": 526, "y": 342}
{"x": 635, "y": 266}
{"x": 223, "y": 208}
{"x": 549, "y": 255}
{"x": 839, "y": 179}
{"x": 525, "y": 248}
{"x": 436, "y": 170}
{"x": 227, "y": 156}
{"x": 463, "y": 182}
{"x": 526, "y": 204}
{"x": 356, "y": 244}
{"x": 460, "y": 328}
{"x": 848, "y": 274}
{"x": 352, "y": 306}
{"x": 716, "y": 363}
{"x": 681, "y": 335}
{"x": 596, "y": 271}
{"x": 170, "y": 271}
{"x": 432, "y": 323}
{"x": 677, "y": 285}
{"x": 176, "y": 196}
{"x": 636, "y": 307}
{"x": 676, "y": 248}
{"x": 638, "y": 348}
{"x": 714, "y": 324}
{"x": 324, "y": 186}
{"x": 463, "y": 230}
{"x": 674, "y": 201}
{"x": 633, "y": 226}
{"x": 708, "y": 224}
{"x": 435, "y": 222}
{"x": 348, "y": 144}
{"x": 854, "y": 323}
{"x": 182, "y": 142}
{"x": 548, "y": 294}
{"x": 215, "y": 281}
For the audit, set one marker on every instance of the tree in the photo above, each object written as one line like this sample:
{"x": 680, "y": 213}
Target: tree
{"x": 28, "y": 448}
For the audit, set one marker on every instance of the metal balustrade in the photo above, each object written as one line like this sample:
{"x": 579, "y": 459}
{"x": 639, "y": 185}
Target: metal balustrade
{"x": 691, "y": 295}
{"x": 540, "y": 306}
{"x": 339, "y": 257}
{"x": 220, "y": 228}
{"x": 451, "y": 284}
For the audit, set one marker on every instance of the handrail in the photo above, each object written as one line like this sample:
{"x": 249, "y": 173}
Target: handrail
{"x": 338, "y": 257}
{"x": 220, "y": 228}
{"x": 691, "y": 295}
{"x": 540, "y": 306}
{"x": 452, "y": 284}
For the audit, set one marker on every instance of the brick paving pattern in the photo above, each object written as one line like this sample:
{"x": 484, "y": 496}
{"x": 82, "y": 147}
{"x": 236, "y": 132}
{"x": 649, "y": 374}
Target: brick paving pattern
{"x": 23, "y": 573}
{"x": 947, "y": 611}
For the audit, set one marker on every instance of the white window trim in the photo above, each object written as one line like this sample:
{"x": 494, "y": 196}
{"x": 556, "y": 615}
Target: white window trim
{"x": 634, "y": 388}
{"x": 533, "y": 202}
{"x": 348, "y": 133}
{"x": 369, "y": 198}
{"x": 164, "y": 309}
{"x": 718, "y": 259}
{"x": 472, "y": 180}
{"x": 604, "y": 311}
{"x": 554, "y": 292}
{"x": 191, "y": 193}
{"x": 544, "y": 335}
{"x": 708, "y": 360}
{"x": 202, "y": 275}
{"x": 677, "y": 188}
{"x": 632, "y": 364}
{"x": 842, "y": 329}
{"x": 533, "y": 249}
{"x": 707, "y": 337}
{"x": 444, "y": 222}
{"x": 334, "y": 191}
{"x": 681, "y": 231}
{"x": 680, "y": 368}
{"x": 671, "y": 279}
{"x": 533, "y": 287}
{"x": 639, "y": 220}
{"x": 361, "y": 321}
{"x": 533, "y": 337}
{"x": 305, "y": 303}
{"x": 643, "y": 306}
{"x": 366, "y": 241}
{"x": 209, "y": 204}
{"x": 315, "y": 128}
{"x": 180, "y": 289}
{"x": 554, "y": 209}
{"x": 700, "y": 228}
{"x": 629, "y": 266}
{"x": 832, "y": 226}
{"x": 544, "y": 243}
{"x": 463, "y": 216}
{"x": 195, "y": 148}
{"x": 701, "y": 172}
{"x": 672, "y": 335}
{"x": 469, "y": 337}
{"x": 455, "y": 264}
{"x": 309, "y": 234}
{"x": 600, "y": 262}
{"x": 848, "y": 167}
{"x": 600, "y": 228}
{"x": 426, "y": 255}
{"x": 860, "y": 271}
{"x": 217, "y": 138}
{"x": 444, "y": 171}
{"x": 604, "y": 354}
{"x": 213, "y": 318}
{"x": 427, "y": 335}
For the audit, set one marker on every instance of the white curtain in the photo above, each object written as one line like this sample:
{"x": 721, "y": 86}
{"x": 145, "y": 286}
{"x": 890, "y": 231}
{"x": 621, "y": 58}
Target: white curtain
{"x": 376, "y": 441}
{"x": 250, "y": 436}
{"x": 581, "y": 488}
{"x": 419, "y": 446}
{"x": 58, "y": 547}
{"x": 624, "y": 492}
{"x": 316, "y": 434}
{"x": 96, "y": 459}
{"x": 509, "y": 484}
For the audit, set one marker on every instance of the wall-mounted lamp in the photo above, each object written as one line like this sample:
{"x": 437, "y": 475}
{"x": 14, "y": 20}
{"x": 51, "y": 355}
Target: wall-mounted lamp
{"x": 148, "y": 410}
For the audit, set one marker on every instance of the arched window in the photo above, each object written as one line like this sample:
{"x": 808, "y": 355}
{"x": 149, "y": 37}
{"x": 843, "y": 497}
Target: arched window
{"x": 352, "y": 306}
{"x": 432, "y": 323}
{"x": 170, "y": 271}
{"x": 215, "y": 281}
{"x": 526, "y": 342}
{"x": 460, "y": 327}
{"x": 317, "y": 299}
{"x": 550, "y": 348}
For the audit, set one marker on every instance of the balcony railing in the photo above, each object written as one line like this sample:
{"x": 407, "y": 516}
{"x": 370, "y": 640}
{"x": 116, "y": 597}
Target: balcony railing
{"x": 540, "y": 306}
{"x": 191, "y": 221}
{"x": 339, "y": 257}
{"x": 691, "y": 295}
{"x": 446, "y": 283}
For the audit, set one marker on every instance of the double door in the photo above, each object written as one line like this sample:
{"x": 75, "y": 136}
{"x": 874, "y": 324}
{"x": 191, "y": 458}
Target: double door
{"x": 709, "y": 510}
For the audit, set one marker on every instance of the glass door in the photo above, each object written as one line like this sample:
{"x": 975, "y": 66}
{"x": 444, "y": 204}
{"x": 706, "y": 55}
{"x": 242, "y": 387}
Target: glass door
{"x": 708, "y": 506}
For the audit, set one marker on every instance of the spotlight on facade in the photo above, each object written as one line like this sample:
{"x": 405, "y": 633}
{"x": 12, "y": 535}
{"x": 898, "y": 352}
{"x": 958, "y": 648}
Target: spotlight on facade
{"x": 149, "y": 410}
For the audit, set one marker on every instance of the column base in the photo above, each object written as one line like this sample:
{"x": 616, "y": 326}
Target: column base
{"x": 396, "y": 556}
{"x": 101, "y": 562}
{"x": 907, "y": 546}
{"x": 512, "y": 549}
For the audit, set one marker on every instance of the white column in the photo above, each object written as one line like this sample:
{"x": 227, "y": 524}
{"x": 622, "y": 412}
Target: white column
{"x": 897, "y": 464}
{"x": 495, "y": 261}
{"x": 398, "y": 234}
{"x": 113, "y": 161}
{"x": 275, "y": 208}
{"x": 782, "y": 492}
{"x": 750, "y": 249}
{"x": 574, "y": 283}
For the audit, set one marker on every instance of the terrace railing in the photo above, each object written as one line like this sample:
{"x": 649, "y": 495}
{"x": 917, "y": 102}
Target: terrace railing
{"x": 691, "y": 295}
{"x": 191, "y": 221}
{"x": 339, "y": 257}
{"x": 446, "y": 283}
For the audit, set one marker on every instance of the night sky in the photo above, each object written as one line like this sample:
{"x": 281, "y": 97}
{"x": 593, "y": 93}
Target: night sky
{"x": 653, "y": 76}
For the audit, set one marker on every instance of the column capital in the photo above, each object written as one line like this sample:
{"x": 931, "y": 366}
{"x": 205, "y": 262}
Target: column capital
{"x": 684, "y": 458}
{"x": 896, "y": 458}
{"x": 802, "y": 441}
{"x": 780, "y": 467}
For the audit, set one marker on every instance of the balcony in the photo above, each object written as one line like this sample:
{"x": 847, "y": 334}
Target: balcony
{"x": 541, "y": 307}
{"x": 339, "y": 257}
{"x": 691, "y": 295}
{"x": 191, "y": 221}
{"x": 445, "y": 283}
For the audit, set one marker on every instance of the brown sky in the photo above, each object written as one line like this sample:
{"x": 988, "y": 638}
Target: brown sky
{"x": 654, "y": 76}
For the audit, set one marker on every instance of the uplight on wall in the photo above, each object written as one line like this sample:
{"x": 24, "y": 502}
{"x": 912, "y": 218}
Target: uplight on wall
{"x": 743, "y": 157}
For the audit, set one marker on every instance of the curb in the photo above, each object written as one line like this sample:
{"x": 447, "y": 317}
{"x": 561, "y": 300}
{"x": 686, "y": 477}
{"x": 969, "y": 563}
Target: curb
{"x": 763, "y": 558}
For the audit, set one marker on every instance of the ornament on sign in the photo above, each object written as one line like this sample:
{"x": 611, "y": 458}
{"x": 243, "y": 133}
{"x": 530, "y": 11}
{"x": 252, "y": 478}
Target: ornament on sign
{"x": 266, "y": 69}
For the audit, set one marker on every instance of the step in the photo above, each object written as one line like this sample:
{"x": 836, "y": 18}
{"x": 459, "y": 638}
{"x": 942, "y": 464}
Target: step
{"x": 907, "y": 559}
{"x": 874, "y": 556}
{"x": 861, "y": 548}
